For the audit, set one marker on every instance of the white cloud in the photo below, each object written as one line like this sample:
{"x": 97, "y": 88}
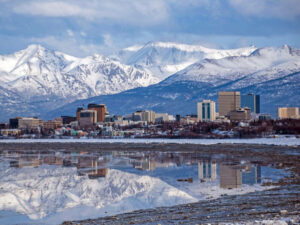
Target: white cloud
{"x": 135, "y": 12}
{"x": 72, "y": 46}
{"x": 83, "y": 34}
{"x": 70, "y": 33}
{"x": 282, "y": 9}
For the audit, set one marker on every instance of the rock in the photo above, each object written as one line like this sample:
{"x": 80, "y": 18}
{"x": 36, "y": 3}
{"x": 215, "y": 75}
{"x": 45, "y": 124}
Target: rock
{"x": 283, "y": 212}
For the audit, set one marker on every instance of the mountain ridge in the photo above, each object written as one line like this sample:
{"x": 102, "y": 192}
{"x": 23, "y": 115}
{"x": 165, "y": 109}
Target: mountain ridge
{"x": 272, "y": 72}
{"x": 125, "y": 89}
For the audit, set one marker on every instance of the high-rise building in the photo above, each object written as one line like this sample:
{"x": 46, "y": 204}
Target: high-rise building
{"x": 288, "y": 113}
{"x": 207, "y": 170}
{"x": 228, "y": 101}
{"x": 206, "y": 110}
{"x": 101, "y": 111}
{"x": 251, "y": 101}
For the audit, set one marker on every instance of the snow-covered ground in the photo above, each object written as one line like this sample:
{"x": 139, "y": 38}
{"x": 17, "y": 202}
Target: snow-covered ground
{"x": 291, "y": 141}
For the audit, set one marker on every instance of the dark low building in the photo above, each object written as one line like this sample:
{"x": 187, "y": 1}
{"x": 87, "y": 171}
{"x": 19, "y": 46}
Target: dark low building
{"x": 14, "y": 123}
{"x": 68, "y": 119}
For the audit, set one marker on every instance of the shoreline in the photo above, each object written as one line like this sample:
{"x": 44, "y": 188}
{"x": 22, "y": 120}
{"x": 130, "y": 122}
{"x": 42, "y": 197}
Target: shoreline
{"x": 281, "y": 141}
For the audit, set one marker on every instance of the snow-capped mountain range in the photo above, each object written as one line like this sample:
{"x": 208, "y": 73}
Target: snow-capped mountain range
{"x": 166, "y": 58}
{"x": 36, "y": 81}
{"x": 39, "y": 71}
{"x": 38, "y": 76}
{"x": 272, "y": 72}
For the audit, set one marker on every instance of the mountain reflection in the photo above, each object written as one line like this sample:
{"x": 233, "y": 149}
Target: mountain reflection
{"x": 96, "y": 165}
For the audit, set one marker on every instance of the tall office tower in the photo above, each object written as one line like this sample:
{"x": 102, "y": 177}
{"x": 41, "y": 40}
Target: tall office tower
{"x": 251, "y": 101}
{"x": 101, "y": 110}
{"x": 229, "y": 101}
{"x": 207, "y": 170}
{"x": 288, "y": 113}
{"x": 206, "y": 110}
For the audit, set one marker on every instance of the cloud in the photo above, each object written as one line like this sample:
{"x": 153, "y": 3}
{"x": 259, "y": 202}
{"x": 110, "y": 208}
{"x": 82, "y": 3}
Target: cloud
{"x": 281, "y": 9}
{"x": 136, "y": 12}
{"x": 72, "y": 46}
{"x": 70, "y": 33}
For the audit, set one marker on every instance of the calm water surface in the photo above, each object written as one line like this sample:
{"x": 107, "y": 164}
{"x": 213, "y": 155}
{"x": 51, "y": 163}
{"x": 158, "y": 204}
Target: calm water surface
{"x": 48, "y": 187}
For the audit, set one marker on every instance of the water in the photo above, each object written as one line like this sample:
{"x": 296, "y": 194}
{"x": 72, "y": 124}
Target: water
{"x": 48, "y": 187}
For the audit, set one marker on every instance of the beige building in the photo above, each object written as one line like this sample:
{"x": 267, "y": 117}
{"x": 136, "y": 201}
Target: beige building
{"x": 10, "y": 132}
{"x": 240, "y": 114}
{"x": 147, "y": 116}
{"x": 53, "y": 124}
{"x": 230, "y": 177}
{"x": 288, "y": 113}
{"x": 87, "y": 118}
{"x": 206, "y": 110}
{"x": 229, "y": 101}
{"x": 161, "y": 117}
{"x": 29, "y": 123}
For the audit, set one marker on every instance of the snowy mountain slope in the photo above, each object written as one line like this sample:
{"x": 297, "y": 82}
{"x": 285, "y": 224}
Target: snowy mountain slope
{"x": 274, "y": 73}
{"x": 262, "y": 65}
{"x": 165, "y": 58}
{"x": 39, "y": 75}
{"x": 38, "y": 71}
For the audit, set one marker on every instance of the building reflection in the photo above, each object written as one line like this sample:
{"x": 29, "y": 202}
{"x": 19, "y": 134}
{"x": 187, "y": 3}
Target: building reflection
{"x": 230, "y": 176}
{"x": 251, "y": 174}
{"x": 207, "y": 171}
{"x": 233, "y": 176}
{"x": 96, "y": 165}
{"x": 89, "y": 166}
{"x": 26, "y": 162}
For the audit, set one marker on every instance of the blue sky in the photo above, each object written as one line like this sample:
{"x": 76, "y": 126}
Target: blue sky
{"x": 84, "y": 27}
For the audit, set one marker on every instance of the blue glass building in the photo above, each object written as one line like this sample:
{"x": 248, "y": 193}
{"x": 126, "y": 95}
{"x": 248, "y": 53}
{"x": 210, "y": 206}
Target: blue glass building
{"x": 251, "y": 101}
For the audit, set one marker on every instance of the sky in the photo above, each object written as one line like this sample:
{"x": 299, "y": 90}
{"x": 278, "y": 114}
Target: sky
{"x": 85, "y": 27}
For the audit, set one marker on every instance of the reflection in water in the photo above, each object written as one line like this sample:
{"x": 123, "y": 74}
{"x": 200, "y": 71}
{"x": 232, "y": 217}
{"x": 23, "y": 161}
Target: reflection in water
{"x": 251, "y": 174}
{"x": 230, "y": 176}
{"x": 233, "y": 176}
{"x": 207, "y": 171}
{"x": 40, "y": 184}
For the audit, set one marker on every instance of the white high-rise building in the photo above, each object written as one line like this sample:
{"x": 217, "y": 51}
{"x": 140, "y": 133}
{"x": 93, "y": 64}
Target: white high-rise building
{"x": 206, "y": 110}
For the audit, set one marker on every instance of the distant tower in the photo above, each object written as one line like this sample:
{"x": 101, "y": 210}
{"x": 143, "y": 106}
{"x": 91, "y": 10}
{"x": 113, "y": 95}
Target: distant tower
{"x": 206, "y": 110}
{"x": 251, "y": 101}
{"x": 101, "y": 111}
{"x": 229, "y": 101}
